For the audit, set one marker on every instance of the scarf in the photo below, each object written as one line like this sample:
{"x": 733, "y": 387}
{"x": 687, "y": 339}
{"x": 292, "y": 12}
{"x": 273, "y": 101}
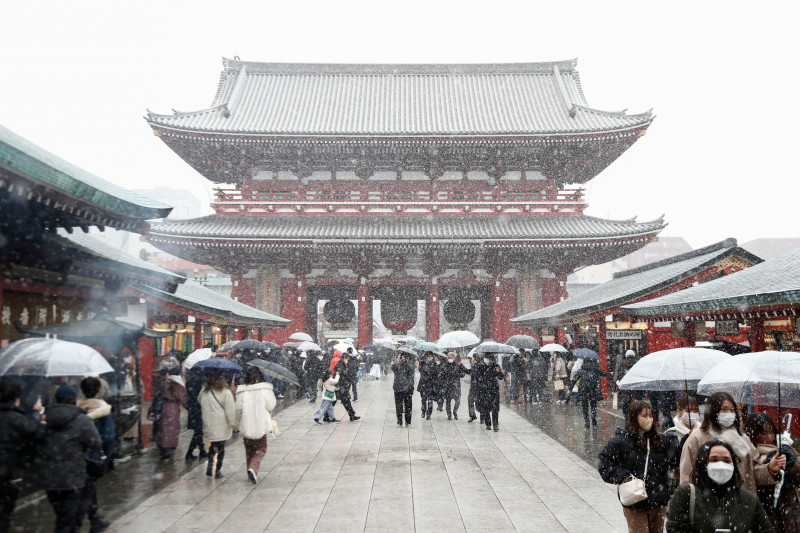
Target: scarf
{"x": 680, "y": 427}
{"x": 740, "y": 446}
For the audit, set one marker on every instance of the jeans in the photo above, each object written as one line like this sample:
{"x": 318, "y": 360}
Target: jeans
{"x": 67, "y": 505}
{"x": 325, "y": 409}
{"x": 402, "y": 406}
{"x": 586, "y": 411}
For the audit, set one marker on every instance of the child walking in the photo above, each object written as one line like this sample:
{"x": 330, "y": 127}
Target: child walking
{"x": 328, "y": 396}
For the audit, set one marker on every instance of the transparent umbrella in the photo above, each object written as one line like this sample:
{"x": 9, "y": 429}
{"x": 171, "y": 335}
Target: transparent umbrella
{"x": 300, "y": 336}
{"x": 308, "y": 345}
{"x": 523, "y": 342}
{"x": 675, "y": 369}
{"x": 51, "y": 357}
{"x": 495, "y": 347}
{"x": 457, "y": 339}
{"x": 196, "y": 356}
{"x": 553, "y": 348}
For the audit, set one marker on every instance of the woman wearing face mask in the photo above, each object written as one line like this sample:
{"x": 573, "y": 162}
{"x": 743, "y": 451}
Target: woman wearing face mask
{"x": 720, "y": 503}
{"x": 722, "y": 422}
{"x": 785, "y": 516}
{"x": 626, "y": 454}
{"x": 687, "y": 419}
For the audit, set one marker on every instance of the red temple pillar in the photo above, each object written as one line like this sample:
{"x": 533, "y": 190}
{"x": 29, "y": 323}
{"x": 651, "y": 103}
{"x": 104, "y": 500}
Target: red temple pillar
{"x": 197, "y": 341}
{"x": 603, "y": 353}
{"x": 146, "y": 355}
{"x": 364, "y": 314}
{"x": 576, "y": 329}
{"x": 432, "y": 326}
{"x": 238, "y": 334}
{"x": 757, "y": 342}
{"x": 689, "y": 334}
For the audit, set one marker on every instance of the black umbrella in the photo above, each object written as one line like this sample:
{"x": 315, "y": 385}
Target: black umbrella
{"x": 269, "y": 345}
{"x": 276, "y": 371}
{"x": 248, "y": 344}
{"x": 219, "y": 364}
{"x": 523, "y": 342}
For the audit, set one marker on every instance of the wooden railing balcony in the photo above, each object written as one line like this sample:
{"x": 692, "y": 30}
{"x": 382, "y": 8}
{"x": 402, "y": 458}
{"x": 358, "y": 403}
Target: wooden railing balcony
{"x": 543, "y": 200}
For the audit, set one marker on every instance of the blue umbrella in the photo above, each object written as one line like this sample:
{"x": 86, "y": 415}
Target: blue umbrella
{"x": 586, "y": 353}
{"x": 219, "y": 364}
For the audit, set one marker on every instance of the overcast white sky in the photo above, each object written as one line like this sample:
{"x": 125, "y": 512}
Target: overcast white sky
{"x": 720, "y": 76}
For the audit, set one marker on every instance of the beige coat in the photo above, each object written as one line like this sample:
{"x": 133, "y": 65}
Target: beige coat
{"x": 753, "y": 473}
{"x": 219, "y": 415}
{"x": 254, "y": 407}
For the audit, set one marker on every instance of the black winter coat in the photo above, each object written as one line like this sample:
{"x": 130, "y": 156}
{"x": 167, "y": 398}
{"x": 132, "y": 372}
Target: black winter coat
{"x": 195, "y": 381}
{"x": 538, "y": 367}
{"x": 622, "y": 457}
{"x": 70, "y": 434}
{"x": 589, "y": 376}
{"x": 487, "y": 398}
{"x": 19, "y": 437}
{"x": 427, "y": 378}
{"x": 403, "y": 376}
{"x": 451, "y": 376}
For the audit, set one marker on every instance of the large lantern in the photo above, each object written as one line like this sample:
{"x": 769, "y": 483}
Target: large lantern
{"x": 339, "y": 313}
{"x": 399, "y": 314}
{"x": 459, "y": 312}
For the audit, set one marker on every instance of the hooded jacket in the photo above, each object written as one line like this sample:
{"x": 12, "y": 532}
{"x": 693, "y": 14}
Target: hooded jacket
{"x": 19, "y": 436}
{"x": 254, "y": 407}
{"x": 70, "y": 434}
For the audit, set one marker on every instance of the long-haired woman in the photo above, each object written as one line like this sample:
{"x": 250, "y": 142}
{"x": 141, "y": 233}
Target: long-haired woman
{"x": 722, "y": 422}
{"x": 632, "y": 449}
{"x": 219, "y": 419}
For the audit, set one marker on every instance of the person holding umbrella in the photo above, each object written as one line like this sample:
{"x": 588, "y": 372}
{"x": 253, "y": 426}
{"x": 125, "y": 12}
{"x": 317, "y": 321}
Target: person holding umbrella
{"x": 343, "y": 368}
{"x": 589, "y": 384}
{"x": 722, "y": 422}
{"x": 452, "y": 373}
{"x": 488, "y": 396}
{"x": 219, "y": 418}
{"x": 426, "y": 384}
{"x": 255, "y": 403}
{"x": 403, "y": 388}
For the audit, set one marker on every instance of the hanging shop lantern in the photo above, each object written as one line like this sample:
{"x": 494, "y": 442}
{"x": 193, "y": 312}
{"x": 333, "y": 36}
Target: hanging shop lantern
{"x": 399, "y": 315}
{"x": 339, "y": 313}
{"x": 459, "y": 312}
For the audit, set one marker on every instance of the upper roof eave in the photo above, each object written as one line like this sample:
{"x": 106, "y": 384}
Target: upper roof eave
{"x": 30, "y": 161}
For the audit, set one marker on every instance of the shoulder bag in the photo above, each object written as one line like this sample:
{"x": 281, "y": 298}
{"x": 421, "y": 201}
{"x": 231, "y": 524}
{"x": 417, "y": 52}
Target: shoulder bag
{"x": 633, "y": 489}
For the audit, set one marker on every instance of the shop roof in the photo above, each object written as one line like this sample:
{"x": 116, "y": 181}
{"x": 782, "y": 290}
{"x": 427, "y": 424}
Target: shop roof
{"x": 20, "y": 158}
{"x": 400, "y": 100}
{"x": 193, "y": 298}
{"x": 775, "y": 282}
{"x": 634, "y": 284}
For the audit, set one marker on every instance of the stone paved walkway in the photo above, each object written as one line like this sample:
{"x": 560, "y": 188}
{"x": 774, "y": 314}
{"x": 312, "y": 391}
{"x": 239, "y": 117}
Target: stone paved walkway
{"x": 369, "y": 475}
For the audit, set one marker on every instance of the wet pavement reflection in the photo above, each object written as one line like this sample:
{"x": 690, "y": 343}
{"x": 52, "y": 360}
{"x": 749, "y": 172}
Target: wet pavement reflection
{"x": 128, "y": 485}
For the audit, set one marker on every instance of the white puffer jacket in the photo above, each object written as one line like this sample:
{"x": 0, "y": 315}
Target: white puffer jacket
{"x": 219, "y": 414}
{"x": 254, "y": 406}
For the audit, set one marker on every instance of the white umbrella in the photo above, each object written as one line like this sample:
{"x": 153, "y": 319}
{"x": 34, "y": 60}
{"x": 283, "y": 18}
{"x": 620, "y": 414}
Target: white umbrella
{"x": 553, "y": 348}
{"x": 300, "y": 336}
{"x": 457, "y": 339}
{"x": 343, "y": 346}
{"x": 196, "y": 356}
{"x": 51, "y": 357}
{"x": 675, "y": 369}
{"x": 308, "y": 345}
{"x": 763, "y": 378}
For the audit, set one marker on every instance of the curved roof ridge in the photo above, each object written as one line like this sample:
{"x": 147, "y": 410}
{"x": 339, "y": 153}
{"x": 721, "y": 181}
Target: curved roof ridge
{"x": 621, "y": 113}
{"x": 175, "y": 113}
{"x": 256, "y": 67}
{"x": 727, "y": 244}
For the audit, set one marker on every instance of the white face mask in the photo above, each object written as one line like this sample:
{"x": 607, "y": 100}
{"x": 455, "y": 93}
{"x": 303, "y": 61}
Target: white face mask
{"x": 726, "y": 420}
{"x": 451, "y": 360}
{"x": 695, "y": 418}
{"x": 487, "y": 360}
{"x": 719, "y": 472}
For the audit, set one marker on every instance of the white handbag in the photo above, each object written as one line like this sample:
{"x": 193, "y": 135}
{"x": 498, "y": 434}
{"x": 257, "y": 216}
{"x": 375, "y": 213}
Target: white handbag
{"x": 634, "y": 491}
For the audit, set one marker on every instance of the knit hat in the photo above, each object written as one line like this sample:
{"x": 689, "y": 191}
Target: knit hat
{"x": 65, "y": 392}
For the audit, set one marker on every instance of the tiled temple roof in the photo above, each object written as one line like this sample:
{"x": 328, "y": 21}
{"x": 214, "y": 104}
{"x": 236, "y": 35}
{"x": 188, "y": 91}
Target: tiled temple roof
{"x": 634, "y": 284}
{"x": 400, "y": 100}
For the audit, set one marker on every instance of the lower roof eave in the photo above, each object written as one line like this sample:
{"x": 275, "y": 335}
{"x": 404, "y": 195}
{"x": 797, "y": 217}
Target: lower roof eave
{"x": 740, "y": 307}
